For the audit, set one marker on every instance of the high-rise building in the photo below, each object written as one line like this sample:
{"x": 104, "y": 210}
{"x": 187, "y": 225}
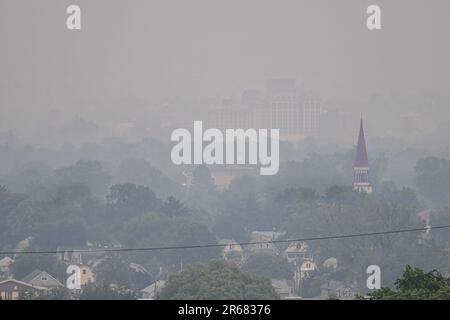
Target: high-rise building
{"x": 285, "y": 108}
{"x": 297, "y": 115}
{"x": 361, "y": 181}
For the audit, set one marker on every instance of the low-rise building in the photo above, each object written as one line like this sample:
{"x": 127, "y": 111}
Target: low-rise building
{"x": 231, "y": 250}
{"x": 284, "y": 287}
{"x": 333, "y": 289}
{"x": 297, "y": 251}
{"x": 42, "y": 279}
{"x": 262, "y": 242}
{"x": 13, "y": 289}
{"x": 152, "y": 290}
{"x": 5, "y": 264}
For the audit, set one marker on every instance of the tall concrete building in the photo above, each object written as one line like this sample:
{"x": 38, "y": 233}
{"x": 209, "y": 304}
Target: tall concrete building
{"x": 297, "y": 115}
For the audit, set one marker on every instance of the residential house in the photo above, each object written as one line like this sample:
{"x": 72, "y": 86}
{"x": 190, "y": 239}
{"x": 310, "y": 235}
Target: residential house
{"x": 42, "y": 279}
{"x": 87, "y": 276}
{"x": 306, "y": 267}
{"x": 136, "y": 267}
{"x": 284, "y": 287}
{"x": 150, "y": 292}
{"x": 232, "y": 251}
{"x": 5, "y": 264}
{"x": 297, "y": 251}
{"x": 12, "y": 289}
{"x": 79, "y": 255}
{"x": 262, "y": 242}
{"x": 331, "y": 263}
{"x": 333, "y": 289}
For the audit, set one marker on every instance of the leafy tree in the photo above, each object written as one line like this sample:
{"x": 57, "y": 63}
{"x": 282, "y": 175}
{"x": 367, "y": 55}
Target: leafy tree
{"x": 216, "y": 281}
{"x": 66, "y": 232}
{"x": 114, "y": 269}
{"x": 173, "y": 207}
{"x": 106, "y": 292}
{"x": 130, "y": 199}
{"x": 141, "y": 172}
{"x": 415, "y": 284}
{"x": 87, "y": 172}
{"x": 159, "y": 230}
{"x": 8, "y": 203}
{"x": 202, "y": 178}
{"x": 58, "y": 293}
{"x": 268, "y": 265}
{"x": 433, "y": 179}
{"x": 24, "y": 264}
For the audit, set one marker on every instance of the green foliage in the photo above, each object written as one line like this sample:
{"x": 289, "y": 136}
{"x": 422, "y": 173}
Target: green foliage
{"x": 173, "y": 207}
{"x": 159, "y": 230}
{"x": 128, "y": 200}
{"x": 433, "y": 179}
{"x": 415, "y": 284}
{"x": 216, "y": 281}
{"x": 267, "y": 265}
{"x": 87, "y": 172}
{"x": 27, "y": 263}
{"x": 114, "y": 269}
{"x": 58, "y": 293}
{"x": 8, "y": 204}
{"x": 202, "y": 179}
{"x": 106, "y": 292}
{"x": 67, "y": 232}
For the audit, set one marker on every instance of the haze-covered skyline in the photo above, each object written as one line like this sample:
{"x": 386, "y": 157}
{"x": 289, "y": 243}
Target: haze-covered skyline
{"x": 139, "y": 54}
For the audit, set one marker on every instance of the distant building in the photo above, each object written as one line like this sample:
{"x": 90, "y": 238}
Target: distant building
{"x": 361, "y": 181}
{"x": 297, "y": 115}
{"x": 43, "y": 279}
{"x": 284, "y": 107}
{"x": 333, "y": 289}
{"x": 5, "y": 264}
{"x": 87, "y": 276}
{"x": 152, "y": 290}
{"x": 296, "y": 251}
{"x": 81, "y": 255}
{"x": 284, "y": 287}
{"x": 331, "y": 264}
{"x": 11, "y": 289}
{"x": 262, "y": 242}
{"x": 232, "y": 251}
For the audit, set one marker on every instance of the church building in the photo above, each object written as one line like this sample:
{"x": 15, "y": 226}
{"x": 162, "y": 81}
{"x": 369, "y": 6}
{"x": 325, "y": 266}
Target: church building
{"x": 361, "y": 165}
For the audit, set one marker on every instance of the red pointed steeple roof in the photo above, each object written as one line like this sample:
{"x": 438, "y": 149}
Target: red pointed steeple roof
{"x": 361, "y": 160}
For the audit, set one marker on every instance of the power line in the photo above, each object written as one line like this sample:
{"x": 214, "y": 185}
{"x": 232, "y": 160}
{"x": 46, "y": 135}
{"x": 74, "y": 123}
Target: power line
{"x": 101, "y": 250}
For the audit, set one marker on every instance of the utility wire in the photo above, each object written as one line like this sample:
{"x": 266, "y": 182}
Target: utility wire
{"x": 100, "y": 250}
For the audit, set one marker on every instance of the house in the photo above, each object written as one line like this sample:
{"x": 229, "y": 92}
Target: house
{"x": 274, "y": 235}
{"x": 87, "y": 276}
{"x": 79, "y": 255}
{"x": 306, "y": 267}
{"x": 138, "y": 268}
{"x": 284, "y": 287}
{"x": 333, "y": 289}
{"x": 231, "y": 250}
{"x": 12, "y": 289}
{"x": 331, "y": 263}
{"x": 5, "y": 264}
{"x": 152, "y": 290}
{"x": 261, "y": 242}
{"x": 42, "y": 279}
{"x": 297, "y": 251}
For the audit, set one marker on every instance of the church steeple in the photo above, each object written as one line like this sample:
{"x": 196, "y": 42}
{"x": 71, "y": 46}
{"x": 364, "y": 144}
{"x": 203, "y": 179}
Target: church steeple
{"x": 361, "y": 151}
{"x": 361, "y": 164}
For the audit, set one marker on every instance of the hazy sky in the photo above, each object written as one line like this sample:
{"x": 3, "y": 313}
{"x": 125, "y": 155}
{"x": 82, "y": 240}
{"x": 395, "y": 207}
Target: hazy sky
{"x": 155, "y": 49}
